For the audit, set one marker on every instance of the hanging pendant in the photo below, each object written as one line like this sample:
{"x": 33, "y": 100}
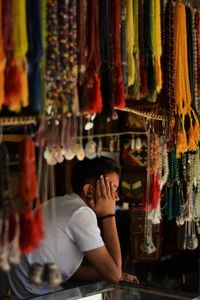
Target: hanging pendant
{"x": 138, "y": 144}
{"x": 111, "y": 144}
{"x": 132, "y": 143}
{"x": 100, "y": 147}
{"x": 148, "y": 246}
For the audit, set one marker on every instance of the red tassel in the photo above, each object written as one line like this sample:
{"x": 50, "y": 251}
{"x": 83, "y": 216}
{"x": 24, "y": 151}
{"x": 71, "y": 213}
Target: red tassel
{"x": 119, "y": 92}
{"x": 31, "y": 223}
{"x": 95, "y": 96}
{"x": 27, "y": 231}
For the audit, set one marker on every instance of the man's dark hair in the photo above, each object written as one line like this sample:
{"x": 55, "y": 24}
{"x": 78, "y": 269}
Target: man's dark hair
{"x": 89, "y": 170}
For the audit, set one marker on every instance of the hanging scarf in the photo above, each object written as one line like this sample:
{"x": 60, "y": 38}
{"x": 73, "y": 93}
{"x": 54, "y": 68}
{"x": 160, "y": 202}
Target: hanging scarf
{"x": 136, "y": 87}
{"x": 123, "y": 46}
{"x": 130, "y": 40}
{"x": 119, "y": 96}
{"x": 34, "y": 53}
{"x": 92, "y": 74}
{"x": 143, "y": 76}
{"x": 2, "y": 59}
{"x": 107, "y": 57}
{"x": 43, "y": 21}
{"x": 16, "y": 81}
{"x": 148, "y": 42}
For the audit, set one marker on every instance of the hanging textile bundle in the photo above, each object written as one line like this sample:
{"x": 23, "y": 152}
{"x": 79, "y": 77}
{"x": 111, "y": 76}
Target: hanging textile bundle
{"x": 34, "y": 53}
{"x": 30, "y": 219}
{"x": 93, "y": 79}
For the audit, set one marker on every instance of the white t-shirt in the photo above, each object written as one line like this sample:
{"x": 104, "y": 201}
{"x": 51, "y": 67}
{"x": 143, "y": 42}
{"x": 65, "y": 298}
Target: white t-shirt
{"x": 70, "y": 229}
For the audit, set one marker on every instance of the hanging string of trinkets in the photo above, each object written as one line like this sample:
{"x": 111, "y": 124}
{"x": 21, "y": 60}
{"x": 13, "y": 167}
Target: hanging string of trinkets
{"x": 9, "y": 217}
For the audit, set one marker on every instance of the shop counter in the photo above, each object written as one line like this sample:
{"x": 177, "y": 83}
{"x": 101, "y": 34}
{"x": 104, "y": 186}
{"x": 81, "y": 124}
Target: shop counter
{"x": 122, "y": 291}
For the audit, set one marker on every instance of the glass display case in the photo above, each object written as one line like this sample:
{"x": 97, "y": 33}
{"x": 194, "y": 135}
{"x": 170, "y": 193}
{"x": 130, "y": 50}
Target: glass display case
{"x": 122, "y": 291}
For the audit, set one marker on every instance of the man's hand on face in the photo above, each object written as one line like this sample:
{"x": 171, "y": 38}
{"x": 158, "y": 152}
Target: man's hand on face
{"x": 104, "y": 198}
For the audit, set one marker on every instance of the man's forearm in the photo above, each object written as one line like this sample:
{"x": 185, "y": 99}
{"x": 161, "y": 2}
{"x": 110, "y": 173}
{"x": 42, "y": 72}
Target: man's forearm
{"x": 86, "y": 273}
{"x": 111, "y": 240}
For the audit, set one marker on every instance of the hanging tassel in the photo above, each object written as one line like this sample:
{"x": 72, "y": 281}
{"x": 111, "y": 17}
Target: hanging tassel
{"x": 182, "y": 146}
{"x": 94, "y": 94}
{"x": 30, "y": 221}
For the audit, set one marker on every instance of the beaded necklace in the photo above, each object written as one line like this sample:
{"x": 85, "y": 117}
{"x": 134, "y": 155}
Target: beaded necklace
{"x": 67, "y": 22}
{"x": 173, "y": 188}
{"x": 52, "y": 68}
{"x": 182, "y": 86}
{"x": 195, "y": 75}
{"x": 197, "y": 26}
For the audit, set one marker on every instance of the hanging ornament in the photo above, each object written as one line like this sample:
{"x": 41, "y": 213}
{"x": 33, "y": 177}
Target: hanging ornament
{"x": 100, "y": 147}
{"x": 90, "y": 147}
{"x": 80, "y": 153}
{"x": 148, "y": 246}
{"x": 138, "y": 144}
{"x": 133, "y": 143}
{"x": 111, "y": 145}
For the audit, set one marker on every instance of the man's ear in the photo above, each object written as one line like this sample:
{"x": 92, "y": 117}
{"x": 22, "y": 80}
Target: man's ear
{"x": 88, "y": 191}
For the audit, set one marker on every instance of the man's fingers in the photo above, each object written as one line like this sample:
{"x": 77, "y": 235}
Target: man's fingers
{"x": 129, "y": 278}
{"x": 103, "y": 186}
{"x": 98, "y": 190}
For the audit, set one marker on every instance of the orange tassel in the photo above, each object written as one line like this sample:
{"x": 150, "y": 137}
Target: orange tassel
{"x": 182, "y": 146}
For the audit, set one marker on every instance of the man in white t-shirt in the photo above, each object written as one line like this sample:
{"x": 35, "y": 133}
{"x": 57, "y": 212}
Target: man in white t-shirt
{"x": 72, "y": 232}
